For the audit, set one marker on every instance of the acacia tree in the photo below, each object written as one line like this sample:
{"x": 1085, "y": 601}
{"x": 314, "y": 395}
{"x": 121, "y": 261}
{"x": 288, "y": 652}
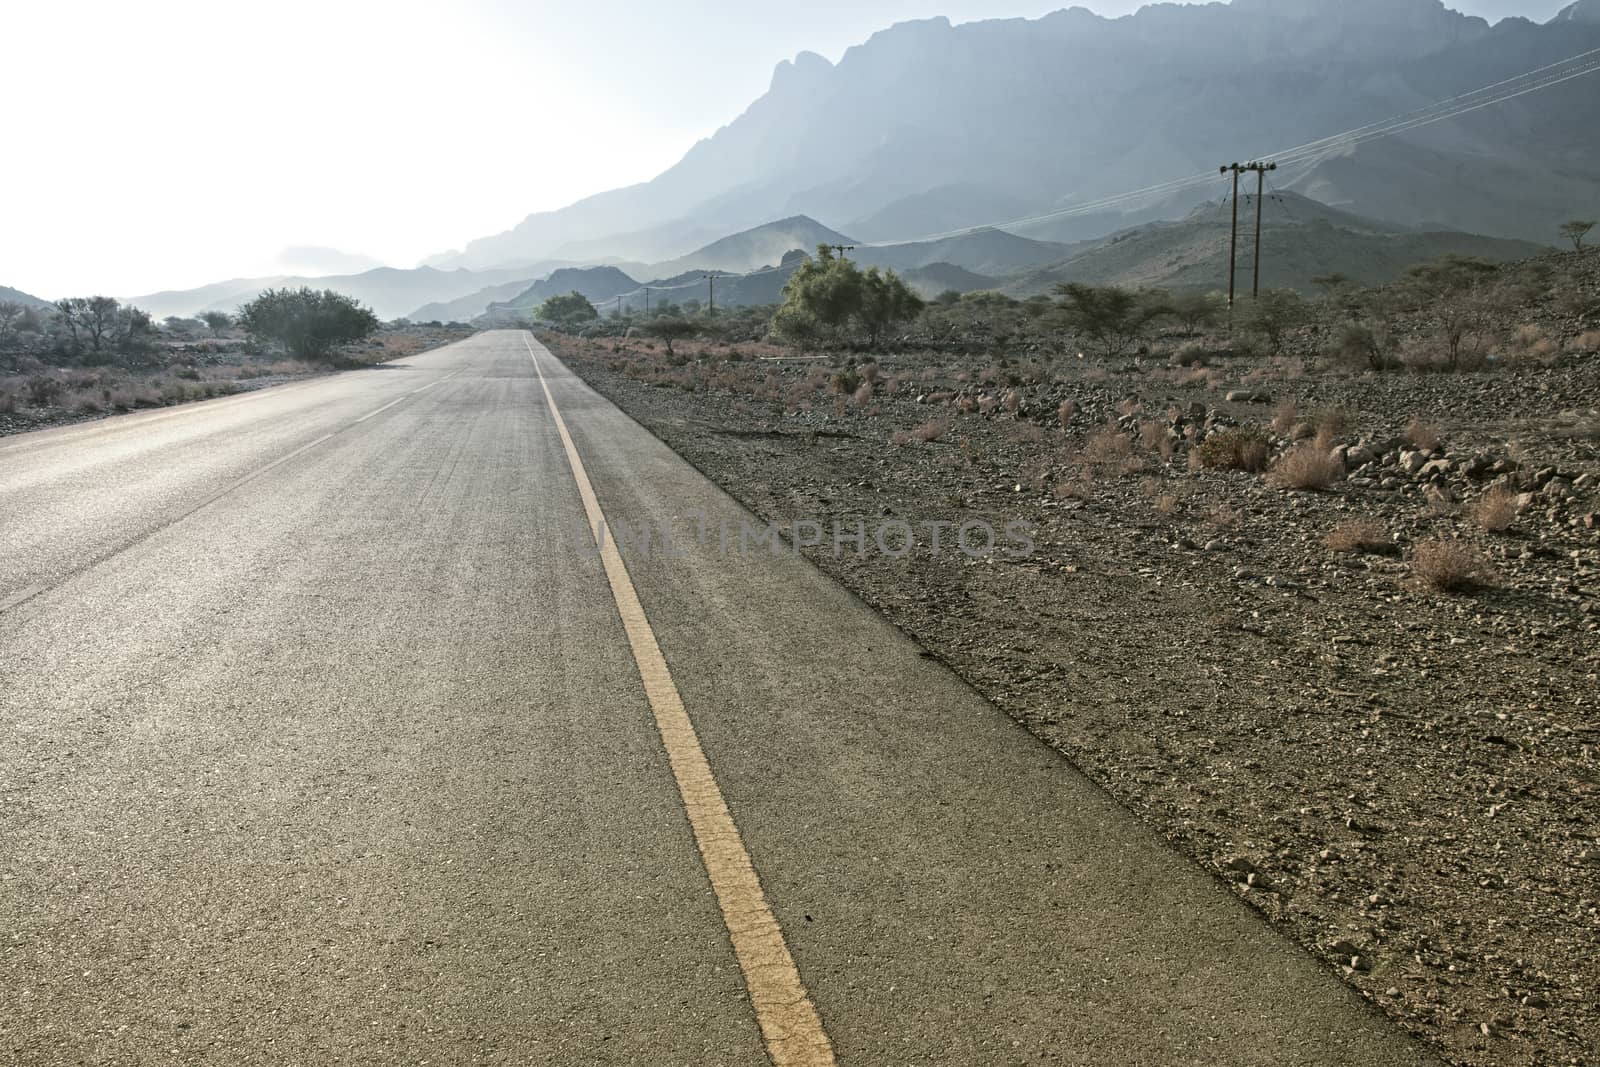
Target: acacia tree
{"x": 1112, "y": 318}
{"x": 568, "y": 309}
{"x": 216, "y": 321}
{"x": 1576, "y": 230}
{"x": 827, "y": 292}
{"x": 671, "y": 329}
{"x": 885, "y": 300}
{"x": 307, "y": 323}
{"x": 1272, "y": 315}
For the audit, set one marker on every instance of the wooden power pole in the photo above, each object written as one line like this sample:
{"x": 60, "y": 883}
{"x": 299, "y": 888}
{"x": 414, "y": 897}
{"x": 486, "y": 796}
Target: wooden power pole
{"x": 1237, "y": 169}
{"x": 711, "y": 294}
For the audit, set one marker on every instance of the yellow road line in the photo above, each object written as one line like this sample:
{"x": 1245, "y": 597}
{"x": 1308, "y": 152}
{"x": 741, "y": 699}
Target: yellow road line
{"x": 789, "y": 1022}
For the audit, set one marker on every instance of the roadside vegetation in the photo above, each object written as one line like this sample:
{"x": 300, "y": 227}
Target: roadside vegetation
{"x": 85, "y": 357}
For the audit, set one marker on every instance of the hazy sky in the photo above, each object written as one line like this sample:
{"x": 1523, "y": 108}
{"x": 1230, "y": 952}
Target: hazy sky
{"x": 170, "y": 143}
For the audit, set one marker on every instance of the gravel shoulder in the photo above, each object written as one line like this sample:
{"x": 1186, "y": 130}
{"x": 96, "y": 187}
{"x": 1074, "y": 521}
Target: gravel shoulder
{"x": 1403, "y": 780}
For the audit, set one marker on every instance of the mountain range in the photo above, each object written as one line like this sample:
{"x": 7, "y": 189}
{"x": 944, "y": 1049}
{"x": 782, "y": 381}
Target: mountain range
{"x": 929, "y": 127}
{"x": 924, "y": 135}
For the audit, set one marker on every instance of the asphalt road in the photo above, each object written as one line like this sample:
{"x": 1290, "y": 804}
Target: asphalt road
{"x": 324, "y": 742}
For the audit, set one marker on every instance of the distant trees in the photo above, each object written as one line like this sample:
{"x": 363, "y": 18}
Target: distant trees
{"x": 309, "y": 324}
{"x": 105, "y": 324}
{"x": 11, "y": 317}
{"x": 828, "y": 293}
{"x": 568, "y": 309}
{"x": 1576, "y": 230}
{"x": 216, "y": 321}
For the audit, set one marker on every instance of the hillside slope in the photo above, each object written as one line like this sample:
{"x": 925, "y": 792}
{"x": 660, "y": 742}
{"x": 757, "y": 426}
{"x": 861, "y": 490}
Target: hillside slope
{"x": 1301, "y": 240}
{"x": 17, "y": 296}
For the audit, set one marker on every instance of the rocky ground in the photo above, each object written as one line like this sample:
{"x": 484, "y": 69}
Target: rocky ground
{"x": 1372, "y": 708}
{"x": 35, "y": 395}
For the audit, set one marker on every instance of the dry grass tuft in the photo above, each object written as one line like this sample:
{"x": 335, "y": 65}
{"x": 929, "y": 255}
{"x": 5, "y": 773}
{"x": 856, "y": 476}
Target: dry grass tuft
{"x": 1109, "y": 449}
{"x": 1358, "y": 535}
{"x": 1284, "y": 416}
{"x": 1305, "y": 466}
{"x": 1586, "y": 342}
{"x": 1422, "y": 434}
{"x": 1065, "y": 412}
{"x": 1450, "y": 566}
{"x": 1496, "y": 509}
{"x": 1242, "y": 448}
{"x": 931, "y": 430}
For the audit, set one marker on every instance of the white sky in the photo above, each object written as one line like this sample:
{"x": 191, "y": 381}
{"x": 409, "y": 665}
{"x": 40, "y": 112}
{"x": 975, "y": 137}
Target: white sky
{"x": 170, "y": 143}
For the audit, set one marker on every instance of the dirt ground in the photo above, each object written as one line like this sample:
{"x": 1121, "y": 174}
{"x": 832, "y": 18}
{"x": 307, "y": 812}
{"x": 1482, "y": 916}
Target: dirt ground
{"x": 1404, "y": 780}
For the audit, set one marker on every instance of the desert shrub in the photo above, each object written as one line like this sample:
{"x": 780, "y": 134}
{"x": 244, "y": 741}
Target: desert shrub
{"x": 1064, "y": 413}
{"x": 1358, "y": 535}
{"x": 1530, "y": 345}
{"x": 44, "y": 391}
{"x": 863, "y": 395}
{"x": 1308, "y": 465}
{"x": 844, "y": 382}
{"x": 1422, "y": 434}
{"x": 1449, "y": 566}
{"x": 931, "y": 430}
{"x": 1496, "y": 509}
{"x": 1587, "y": 342}
{"x": 1272, "y": 316}
{"x": 1242, "y": 448}
{"x": 1362, "y": 345}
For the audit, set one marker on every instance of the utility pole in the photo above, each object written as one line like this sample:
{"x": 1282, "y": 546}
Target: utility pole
{"x": 1261, "y": 178}
{"x": 1237, "y": 169}
{"x": 842, "y": 249}
{"x": 711, "y": 294}
{"x": 619, "y": 305}
{"x": 647, "y": 301}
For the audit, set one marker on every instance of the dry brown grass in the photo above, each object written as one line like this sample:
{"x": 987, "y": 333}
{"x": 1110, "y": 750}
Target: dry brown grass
{"x": 1308, "y": 465}
{"x": 1284, "y": 417}
{"x": 1586, "y": 342}
{"x": 1223, "y": 517}
{"x": 1358, "y": 535}
{"x": 931, "y": 430}
{"x": 1065, "y": 412}
{"x": 1109, "y": 449}
{"x": 1422, "y": 434}
{"x": 1450, "y": 566}
{"x": 1496, "y": 509}
{"x": 1242, "y": 448}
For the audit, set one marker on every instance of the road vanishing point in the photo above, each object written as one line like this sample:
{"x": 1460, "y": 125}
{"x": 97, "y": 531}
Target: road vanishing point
{"x": 331, "y": 736}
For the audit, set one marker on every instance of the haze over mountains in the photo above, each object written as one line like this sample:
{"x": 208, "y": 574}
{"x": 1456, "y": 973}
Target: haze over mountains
{"x": 928, "y": 128}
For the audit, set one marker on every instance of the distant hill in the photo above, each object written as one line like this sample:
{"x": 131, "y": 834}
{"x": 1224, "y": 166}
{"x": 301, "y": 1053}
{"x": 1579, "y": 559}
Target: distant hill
{"x": 466, "y": 308}
{"x": 17, "y": 296}
{"x": 937, "y": 278}
{"x": 940, "y": 210}
{"x": 599, "y": 284}
{"x": 749, "y": 249}
{"x": 390, "y": 292}
{"x": 1301, "y": 240}
{"x": 986, "y": 251}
